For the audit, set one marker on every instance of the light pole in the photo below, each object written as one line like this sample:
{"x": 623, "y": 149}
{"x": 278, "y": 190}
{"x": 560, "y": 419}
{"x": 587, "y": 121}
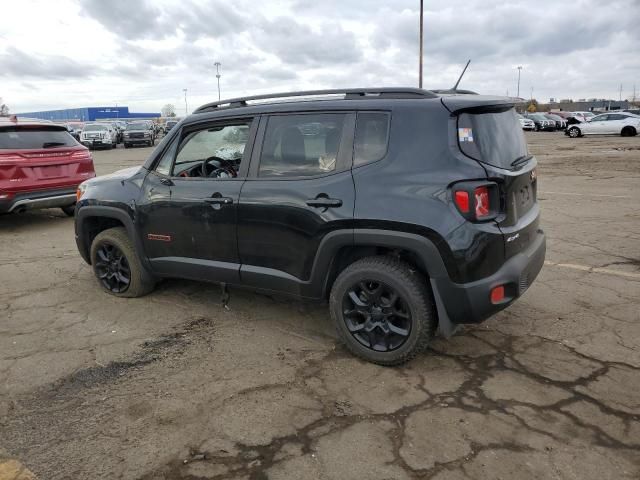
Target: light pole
{"x": 218, "y": 64}
{"x": 421, "y": 35}
{"x": 186, "y": 109}
{"x": 519, "y": 70}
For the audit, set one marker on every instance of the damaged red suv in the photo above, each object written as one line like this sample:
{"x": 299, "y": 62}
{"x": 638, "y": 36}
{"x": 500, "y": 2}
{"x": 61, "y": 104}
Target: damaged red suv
{"x": 41, "y": 166}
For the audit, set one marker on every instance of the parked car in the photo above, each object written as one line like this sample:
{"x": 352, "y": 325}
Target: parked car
{"x": 99, "y": 135}
{"x": 560, "y": 122}
{"x": 75, "y": 129}
{"x": 351, "y": 200}
{"x": 619, "y": 123}
{"x": 41, "y": 166}
{"x": 563, "y": 114}
{"x": 139, "y": 133}
{"x": 635, "y": 111}
{"x": 526, "y": 123}
{"x": 169, "y": 124}
{"x": 583, "y": 116}
{"x": 542, "y": 122}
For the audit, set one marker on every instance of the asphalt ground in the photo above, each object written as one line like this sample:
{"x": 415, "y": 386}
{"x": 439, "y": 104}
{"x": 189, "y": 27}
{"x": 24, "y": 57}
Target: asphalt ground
{"x": 176, "y": 386}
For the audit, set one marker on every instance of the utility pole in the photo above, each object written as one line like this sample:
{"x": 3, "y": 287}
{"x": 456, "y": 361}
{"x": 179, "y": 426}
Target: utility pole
{"x": 217, "y": 65}
{"x": 519, "y": 70}
{"x": 620, "y": 95}
{"x": 186, "y": 108}
{"x": 421, "y": 36}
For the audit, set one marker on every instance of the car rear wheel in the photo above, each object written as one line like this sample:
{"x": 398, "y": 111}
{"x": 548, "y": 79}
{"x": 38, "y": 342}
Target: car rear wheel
{"x": 628, "y": 132}
{"x": 574, "y": 132}
{"x": 126, "y": 145}
{"x": 116, "y": 265}
{"x": 69, "y": 210}
{"x": 383, "y": 310}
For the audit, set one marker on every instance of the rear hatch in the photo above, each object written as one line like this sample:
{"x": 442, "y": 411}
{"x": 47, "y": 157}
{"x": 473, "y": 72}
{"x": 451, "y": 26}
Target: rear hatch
{"x": 37, "y": 157}
{"x": 489, "y": 131}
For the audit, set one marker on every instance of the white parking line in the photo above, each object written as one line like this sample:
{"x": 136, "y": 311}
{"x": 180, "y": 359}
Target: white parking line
{"x": 586, "y": 268}
{"x": 585, "y": 194}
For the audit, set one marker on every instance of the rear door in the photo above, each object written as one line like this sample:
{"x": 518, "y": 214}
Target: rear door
{"x": 298, "y": 191}
{"x": 39, "y": 157}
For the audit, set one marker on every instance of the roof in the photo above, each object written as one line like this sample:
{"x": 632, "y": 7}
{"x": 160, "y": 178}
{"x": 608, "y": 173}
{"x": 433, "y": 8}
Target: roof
{"x": 330, "y": 94}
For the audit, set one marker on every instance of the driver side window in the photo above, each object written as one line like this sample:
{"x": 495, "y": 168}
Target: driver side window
{"x": 212, "y": 152}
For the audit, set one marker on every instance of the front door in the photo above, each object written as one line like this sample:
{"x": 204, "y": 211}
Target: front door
{"x": 188, "y": 211}
{"x": 298, "y": 191}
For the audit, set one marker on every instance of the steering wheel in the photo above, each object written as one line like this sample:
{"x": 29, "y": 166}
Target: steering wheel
{"x": 220, "y": 166}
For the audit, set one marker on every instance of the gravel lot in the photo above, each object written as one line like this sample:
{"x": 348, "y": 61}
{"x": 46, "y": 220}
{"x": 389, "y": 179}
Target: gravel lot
{"x": 174, "y": 386}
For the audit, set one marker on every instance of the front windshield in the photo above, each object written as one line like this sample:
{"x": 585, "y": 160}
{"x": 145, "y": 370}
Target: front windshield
{"x": 137, "y": 126}
{"x": 94, "y": 128}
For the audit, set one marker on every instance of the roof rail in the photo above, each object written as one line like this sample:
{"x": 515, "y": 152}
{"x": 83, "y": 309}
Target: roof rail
{"x": 349, "y": 94}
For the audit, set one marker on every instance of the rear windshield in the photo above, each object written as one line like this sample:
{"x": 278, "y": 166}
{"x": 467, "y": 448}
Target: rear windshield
{"x": 18, "y": 138}
{"x": 492, "y": 136}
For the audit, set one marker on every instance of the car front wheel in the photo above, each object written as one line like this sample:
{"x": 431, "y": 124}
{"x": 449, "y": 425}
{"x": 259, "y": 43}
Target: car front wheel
{"x": 383, "y": 310}
{"x": 628, "y": 132}
{"x": 116, "y": 265}
{"x": 574, "y": 132}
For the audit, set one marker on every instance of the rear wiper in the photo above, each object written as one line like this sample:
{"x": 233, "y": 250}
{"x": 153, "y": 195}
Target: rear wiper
{"x": 53, "y": 144}
{"x": 521, "y": 160}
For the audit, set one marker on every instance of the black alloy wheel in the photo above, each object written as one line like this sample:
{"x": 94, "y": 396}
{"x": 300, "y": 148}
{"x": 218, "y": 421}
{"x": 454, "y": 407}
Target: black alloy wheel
{"x": 376, "y": 315}
{"x": 112, "y": 268}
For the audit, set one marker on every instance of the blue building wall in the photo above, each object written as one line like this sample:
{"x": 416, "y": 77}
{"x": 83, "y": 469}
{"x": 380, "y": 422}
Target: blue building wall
{"x": 88, "y": 114}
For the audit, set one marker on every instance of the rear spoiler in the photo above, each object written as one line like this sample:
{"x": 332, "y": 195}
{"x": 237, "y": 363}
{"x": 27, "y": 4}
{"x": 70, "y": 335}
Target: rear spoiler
{"x": 457, "y": 103}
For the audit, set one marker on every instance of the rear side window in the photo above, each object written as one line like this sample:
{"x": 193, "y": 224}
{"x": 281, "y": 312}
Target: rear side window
{"x": 301, "y": 145}
{"x": 372, "y": 133}
{"x": 21, "y": 138}
{"x": 492, "y": 136}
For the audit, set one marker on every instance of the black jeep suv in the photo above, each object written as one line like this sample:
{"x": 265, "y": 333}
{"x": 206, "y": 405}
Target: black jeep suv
{"x": 408, "y": 210}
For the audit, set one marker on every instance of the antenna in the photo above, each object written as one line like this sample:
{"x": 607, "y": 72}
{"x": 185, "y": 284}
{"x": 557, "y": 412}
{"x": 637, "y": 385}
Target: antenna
{"x": 455, "y": 87}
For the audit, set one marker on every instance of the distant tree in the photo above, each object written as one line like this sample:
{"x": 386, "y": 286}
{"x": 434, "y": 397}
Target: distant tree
{"x": 4, "y": 109}
{"x": 168, "y": 110}
{"x": 532, "y": 105}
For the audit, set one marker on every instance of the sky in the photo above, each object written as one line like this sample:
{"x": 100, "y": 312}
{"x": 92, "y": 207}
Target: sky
{"x": 144, "y": 53}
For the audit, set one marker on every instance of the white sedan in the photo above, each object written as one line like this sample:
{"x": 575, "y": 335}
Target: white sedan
{"x": 619, "y": 123}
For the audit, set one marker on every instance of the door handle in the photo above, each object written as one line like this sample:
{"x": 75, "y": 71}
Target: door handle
{"x": 322, "y": 201}
{"x": 219, "y": 200}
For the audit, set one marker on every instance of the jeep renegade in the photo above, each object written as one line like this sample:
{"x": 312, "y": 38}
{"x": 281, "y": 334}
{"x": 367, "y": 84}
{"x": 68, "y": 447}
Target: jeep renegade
{"x": 409, "y": 211}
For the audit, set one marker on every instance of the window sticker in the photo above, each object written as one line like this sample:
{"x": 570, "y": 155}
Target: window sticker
{"x": 465, "y": 134}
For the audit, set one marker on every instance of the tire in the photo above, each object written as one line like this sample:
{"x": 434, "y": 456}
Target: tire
{"x": 628, "y": 132}
{"x": 413, "y": 310}
{"x": 574, "y": 132}
{"x": 69, "y": 210}
{"x": 126, "y": 145}
{"x": 117, "y": 241}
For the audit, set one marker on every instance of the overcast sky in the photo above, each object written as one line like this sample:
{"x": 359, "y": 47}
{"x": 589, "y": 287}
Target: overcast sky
{"x": 143, "y": 53}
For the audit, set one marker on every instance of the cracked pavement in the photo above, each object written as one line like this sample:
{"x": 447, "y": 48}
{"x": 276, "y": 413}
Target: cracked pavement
{"x": 174, "y": 386}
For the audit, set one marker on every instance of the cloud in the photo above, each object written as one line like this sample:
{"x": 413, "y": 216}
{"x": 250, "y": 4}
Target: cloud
{"x": 18, "y": 64}
{"x": 149, "y": 50}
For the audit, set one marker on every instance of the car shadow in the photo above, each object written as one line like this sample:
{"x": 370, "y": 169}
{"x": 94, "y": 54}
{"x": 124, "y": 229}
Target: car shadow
{"x": 32, "y": 218}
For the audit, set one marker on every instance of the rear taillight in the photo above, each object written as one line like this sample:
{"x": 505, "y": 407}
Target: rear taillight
{"x": 462, "y": 201}
{"x": 483, "y": 207}
{"x": 477, "y": 201}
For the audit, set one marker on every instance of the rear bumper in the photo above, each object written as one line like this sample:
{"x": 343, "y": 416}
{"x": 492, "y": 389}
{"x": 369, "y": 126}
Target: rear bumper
{"x": 39, "y": 199}
{"x": 471, "y": 302}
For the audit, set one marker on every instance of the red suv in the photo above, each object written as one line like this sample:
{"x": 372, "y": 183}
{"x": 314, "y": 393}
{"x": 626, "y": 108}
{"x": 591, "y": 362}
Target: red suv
{"x": 41, "y": 166}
